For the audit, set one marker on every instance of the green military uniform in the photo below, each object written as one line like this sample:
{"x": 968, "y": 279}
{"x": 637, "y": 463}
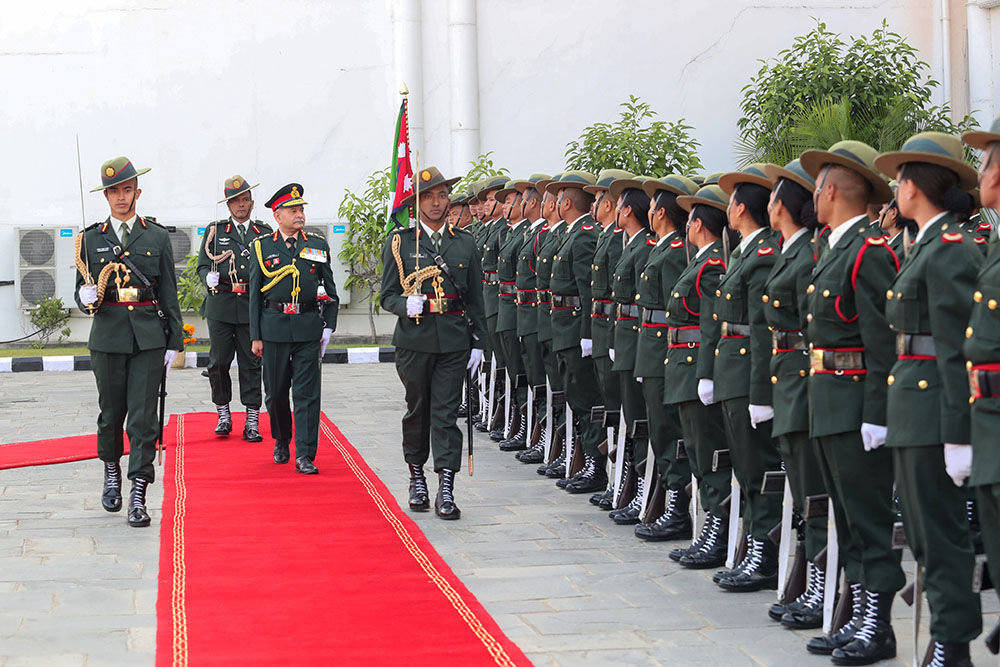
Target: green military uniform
{"x": 851, "y": 351}
{"x": 288, "y": 313}
{"x": 132, "y": 327}
{"x": 492, "y": 240}
{"x": 227, "y": 306}
{"x": 928, "y": 396}
{"x": 506, "y": 323}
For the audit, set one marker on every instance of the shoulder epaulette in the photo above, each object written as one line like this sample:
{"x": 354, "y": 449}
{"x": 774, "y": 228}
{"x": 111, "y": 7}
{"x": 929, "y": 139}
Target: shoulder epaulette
{"x": 876, "y": 240}
{"x": 315, "y": 234}
{"x": 677, "y": 244}
{"x": 586, "y": 228}
{"x": 955, "y": 237}
{"x": 618, "y": 230}
{"x": 255, "y": 227}
{"x": 761, "y": 252}
{"x": 274, "y": 237}
{"x": 104, "y": 226}
{"x": 545, "y": 228}
{"x": 984, "y": 227}
{"x": 650, "y": 241}
{"x": 151, "y": 220}
{"x": 979, "y": 240}
{"x": 93, "y": 226}
{"x": 714, "y": 261}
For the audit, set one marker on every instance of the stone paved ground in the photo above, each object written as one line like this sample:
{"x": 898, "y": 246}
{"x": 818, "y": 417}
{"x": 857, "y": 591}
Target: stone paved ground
{"x": 77, "y": 587}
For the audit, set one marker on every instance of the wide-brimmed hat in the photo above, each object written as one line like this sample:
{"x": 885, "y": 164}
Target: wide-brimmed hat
{"x": 491, "y": 184}
{"x": 429, "y": 177}
{"x": 754, "y": 174}
{"x": 234, "y": 186}
{"x": 605, "y": 179}
{"x": 459, "y": 198}
{"x": 289, "y": 195}
{"x": 937, "y": 148}
{"x": 118, "y": 170}
{"x": 542, "y": 185}
{"x": 682, "y": 186}
{"x": 709, "y": 195}
{"x": 507, "y": 189}
{"x": 857, "y": 156}
{"x": 530, "y": 183}
{"x": 711, "y": 179}
{"x": 981, "y": 139}
{"x": 571, "y": 179}
{"x": 622, "y": 184}
{"x": 794, "y": 172}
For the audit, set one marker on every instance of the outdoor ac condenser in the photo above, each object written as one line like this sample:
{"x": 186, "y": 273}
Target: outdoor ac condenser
{"x": 46, "y": 265}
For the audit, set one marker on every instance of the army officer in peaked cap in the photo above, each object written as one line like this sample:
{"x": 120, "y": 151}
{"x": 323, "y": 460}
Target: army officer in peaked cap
{"x": 224, "y": 266}
{"x": 135, "y": 334}
{"x": 293, "y": 312}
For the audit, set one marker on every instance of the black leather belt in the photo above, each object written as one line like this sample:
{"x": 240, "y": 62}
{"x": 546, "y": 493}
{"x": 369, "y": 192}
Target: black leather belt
{"x": 915, "y": 345}
{"x": 792, "y": 339}
{"x": 490, "y": 277}
{"x": 654, "y": 316}
{"x": 542, "y": 296}
{"x": 508, "y": 289}
{"x": 733, "y": 330}
{"x": 290, "y": 308}
{"x": 565, "y": 301}
{"x": 443, "y": 306}
{"x": 526, "y": 297}
{"x": 601, "y": 308}
{"x": 836, "y": 361}
{"x": 984, "y": 381}
{"x": 129, "y": 294}
{"x": 628, "y": 311}
{"x": 676, "y": 336}
{"x": 236, "y": 288}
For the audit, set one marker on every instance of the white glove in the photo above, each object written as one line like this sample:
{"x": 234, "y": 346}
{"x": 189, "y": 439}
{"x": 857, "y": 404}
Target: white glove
{"x": 873, "y": 436}
{"x": 639, "y": 380}
{"x": 415, "y": 304}
{"x": 958, "y": 462}
{"x": 706, "y": 391}
{"x": 611, "y": 353}
{"x": 587, "y": 347}
{"x": 168, "y": 359}
{"x": 475, "y": 358}
{"x": 212, "y": 279}
{"x": 760, "y": 414}
{"x": 88, "y": 294}
{"x": 324, "y": 341}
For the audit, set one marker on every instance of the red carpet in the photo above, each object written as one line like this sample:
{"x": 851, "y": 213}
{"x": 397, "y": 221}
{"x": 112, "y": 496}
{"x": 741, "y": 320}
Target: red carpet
{"x": 44, "y": 452}
{"x": 263, "y": 566}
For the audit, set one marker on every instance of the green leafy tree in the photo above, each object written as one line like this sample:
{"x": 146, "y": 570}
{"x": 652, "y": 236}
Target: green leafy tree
{"x": 871, "y": 89}
{"x": 365, "y": 215}
{"x": 658, "y": 149}
{"x": 190, "y": 289}
{"x": 479, "y": 169}
{"x": 49, "y": 316}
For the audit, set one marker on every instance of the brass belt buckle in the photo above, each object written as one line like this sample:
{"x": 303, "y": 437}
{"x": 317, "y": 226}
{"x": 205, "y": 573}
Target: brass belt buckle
{"x": 291, "y": 309}
{"x": 128, "y": 294}
{"x": 816, "y": 360}
{"x": 239, "y": 288}
{"x": 900, "y": 344}
{"x": 974, "y": 389}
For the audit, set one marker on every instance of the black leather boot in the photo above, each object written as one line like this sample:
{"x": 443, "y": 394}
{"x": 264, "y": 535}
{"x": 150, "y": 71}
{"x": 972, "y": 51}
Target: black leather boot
{"x": 592, "y": 478}
{"x": 597, "y": 497}
{"x": 251, "y": 430}
{"x": 629, "y": 515}
{"x": 673, "y": 524}
{"x": 806, "y": 611}
{"x": 676, "y": 554}
{"x": 940, "y": 654}
{"x": 444, "y": 503}
{"x": 519, "y": 441}
{"x": 557, "y": 470}
{"x": 137, "y": 515}
{"x": 826, "y": 644}
{"x": 111, "y": 497}
{"x": 225, "y": 425}
{"x": 280, "y": 451}
{"x": 760, "y": 573}
{"x": 534, "y": 454}
{"x": 874, "y": 639}
{"x": 607, "y": 500}
{"x": 419, "y": 496}
{"x": 726, "y": 574}
{"x": 712, "y": 552}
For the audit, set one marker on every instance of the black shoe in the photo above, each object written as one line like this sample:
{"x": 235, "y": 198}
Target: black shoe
{"x": 712, "y": 552}
{"x": 281, "y": 451}
{"x": 947, "y": 655}
{"x": 736, "y": 571}
{"x": 597, "y": 497}
{"x": 534, "y": 454}
{"x": 629, "y": 515}
{"x": 111, "y": 497}
{"x": 593, "y": 478}
{"x": 225, "y": 425}
{"x": 250, "y": 429}
{"x": 806, "y": 611}
{"x": 463, "y": 410}
{"x": 513, "y": 445}
{"x": 545, "y": 467}
{"x": 673, "y": 524}
{"x": 761, "y": 573}
{"x": 419, "y": 495}
{"x": 607, "y": 501}
{"x": 137, "y": 515}
{"x": 444, "y": 503}
{"x": 827, "y": 644}
{"x": 874, "y": 639}
{"x": 993, "y": 640}
{"x": 558, "y": 469}
{"x": 677, "y": 554}
{"x": 566, "y": 481}
{"x": 497, "y": 434}
{"x": 305, "y": 466}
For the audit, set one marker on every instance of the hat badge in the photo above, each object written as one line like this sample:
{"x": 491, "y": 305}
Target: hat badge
{"x": 295, "y": 192}
{"x": 237, "y": 183}
{"x": 109, "y": 172}
{"x": 425, "y": 175}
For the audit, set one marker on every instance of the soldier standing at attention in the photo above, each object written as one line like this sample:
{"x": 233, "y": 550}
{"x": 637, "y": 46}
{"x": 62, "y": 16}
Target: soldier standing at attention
{"x": 225, "y": 246}
{"x": 136, "y": 332}
{"x": 291, "y": 321}
{"x": 851, "y": 352}
{"x": 439, "y": 335}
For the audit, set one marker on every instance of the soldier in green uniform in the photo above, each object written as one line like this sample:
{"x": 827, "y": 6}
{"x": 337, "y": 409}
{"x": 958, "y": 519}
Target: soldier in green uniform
{"x": 606, "y": 254}
{"x": 982, "y": 353}
{"x": 439, "y": 335}
{"x": 632, "y": 216}
{"x": 793, "y": 215}
{"x": 665, "y": 264}
{"x": 291, "y": 321}
{"x": 491, "y": 240}
{"x": 693, "y": 336}
{"x": 127, "y": 282}
{"x": 224, "y": 263}
{"x": 851, "y": 351}
{"x": 459, "y": 213}
{"x": 929, "y": 428}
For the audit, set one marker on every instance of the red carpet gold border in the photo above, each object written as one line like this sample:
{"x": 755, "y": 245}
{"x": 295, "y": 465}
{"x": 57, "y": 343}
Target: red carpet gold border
{"x": 180, "y": 644}
{"x": 492, "y": 645}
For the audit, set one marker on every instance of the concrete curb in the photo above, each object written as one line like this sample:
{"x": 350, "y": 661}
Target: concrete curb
{"x": 57, "y": 364}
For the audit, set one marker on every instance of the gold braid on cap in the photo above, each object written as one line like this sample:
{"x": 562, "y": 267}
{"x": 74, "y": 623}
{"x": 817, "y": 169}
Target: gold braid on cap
{"x": 122, "y": 274}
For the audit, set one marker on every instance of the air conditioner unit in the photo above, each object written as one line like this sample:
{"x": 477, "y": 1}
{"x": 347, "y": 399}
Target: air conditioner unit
{"x": 184, "y": 241}
{"x": 334, "y": 235}
{"x": 46, "y": 265}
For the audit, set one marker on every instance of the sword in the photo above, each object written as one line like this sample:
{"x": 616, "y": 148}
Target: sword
{"x": 468, "y": 418}
{"x": 163, "y": 405}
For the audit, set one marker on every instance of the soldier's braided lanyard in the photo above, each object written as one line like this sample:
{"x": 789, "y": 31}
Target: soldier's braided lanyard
{"x": 411, "y": 283}
{"x": 222, "y": 256}
{"x": 277, "y": 276}
{"x": 120, "y": 270}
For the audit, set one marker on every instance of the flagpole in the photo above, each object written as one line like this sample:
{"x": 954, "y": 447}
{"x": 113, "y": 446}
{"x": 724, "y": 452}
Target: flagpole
{"x": 405, "y": 92}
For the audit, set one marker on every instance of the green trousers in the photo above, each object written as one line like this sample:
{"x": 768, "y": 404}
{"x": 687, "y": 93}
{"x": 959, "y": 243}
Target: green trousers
{"x": 611, "y": 388}
{"x": 552, "y": 375}
{"x": 433, "y": 386}
{"x": 230, "y": 339}
{"x": 295, "y": 367}
{"x": 753, "y": 453}
{"x": 805, "y": 479}
{"x": 495, "y": 347}
{"x": 515, "y": 364}
{"x": 531, "y": 355}
{"x": 128, "y": 386}
{"x": 634, "y": 406}
{"x": 582, "y": 394}
{"x": 703, "y": 434}
{"x": 860, "y": 485}
{"x": 937, "y": 528}
{"x": 988, "y": 504}
{"x": 664, "y": 432}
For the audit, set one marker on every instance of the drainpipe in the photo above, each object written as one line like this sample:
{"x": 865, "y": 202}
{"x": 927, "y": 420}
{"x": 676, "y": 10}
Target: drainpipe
{"x": 407, "y": 58}
{"x": 981, "y": 62}
{"x": 946, "y": 51}
{"x": 463, "y": 51}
